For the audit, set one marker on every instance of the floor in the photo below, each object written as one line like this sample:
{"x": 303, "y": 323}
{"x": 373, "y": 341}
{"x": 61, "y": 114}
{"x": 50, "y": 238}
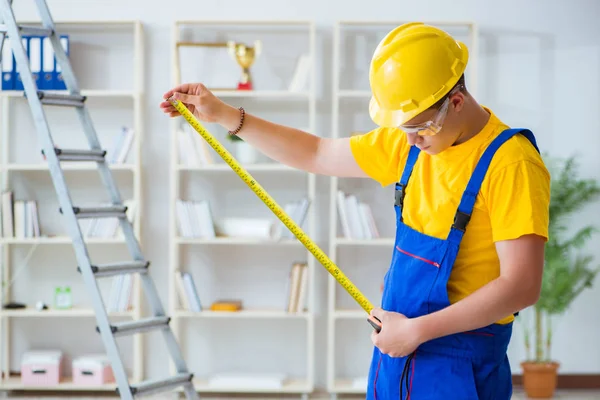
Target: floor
{"x": 563, "y": 395}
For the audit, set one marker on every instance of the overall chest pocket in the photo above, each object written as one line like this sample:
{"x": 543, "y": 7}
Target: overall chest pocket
{"x": 414, "y": 271}
{"x": 416, "y": 257}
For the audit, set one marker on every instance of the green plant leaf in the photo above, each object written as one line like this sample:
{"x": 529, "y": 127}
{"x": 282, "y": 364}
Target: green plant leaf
{"x": 567, "y": 271}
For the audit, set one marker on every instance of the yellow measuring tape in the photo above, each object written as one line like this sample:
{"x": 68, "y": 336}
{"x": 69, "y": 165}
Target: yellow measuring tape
{"x": 277, "y": 210}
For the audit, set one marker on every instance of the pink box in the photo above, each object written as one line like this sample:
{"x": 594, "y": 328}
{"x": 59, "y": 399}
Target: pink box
{"x": 92, "y": 370}
{"x": 41, "y": 368}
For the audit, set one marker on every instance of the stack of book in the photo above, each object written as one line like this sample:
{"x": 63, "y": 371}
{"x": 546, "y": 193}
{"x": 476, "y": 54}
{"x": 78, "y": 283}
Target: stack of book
{"x": 119, "y": 299}
{"x": 19, "y": 218}
{"x": 297, "y": 288}
{"x": 187, "y": 293}
{"x": 356, "y": 217}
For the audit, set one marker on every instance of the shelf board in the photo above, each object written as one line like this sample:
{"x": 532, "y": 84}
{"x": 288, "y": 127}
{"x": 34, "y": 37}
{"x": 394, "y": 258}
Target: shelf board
{"x": 222, "y": 167}
{"x": 89, "y": 93}
{"x": 60, "y": 240}
{"x": 258, "y": 314}
{"x": 398, "y": 22}
{"x": 239, "y": 241}
{"x": 279, "y": 94}
{"x": 289, "y": 386}
{"x": 346, "y": 386}
{"x": 67, "y": 167}
{"x": 14, "y": 383}
{"x": 350, "y": 314}
{"x": 354, "y": 93}
{"x": 365, "y": 242}
{"x": 31, "y": 312}
{"x": 266, "y": 22}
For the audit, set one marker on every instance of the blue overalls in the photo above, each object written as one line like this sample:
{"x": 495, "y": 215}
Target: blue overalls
{"x": 466, "y": 366}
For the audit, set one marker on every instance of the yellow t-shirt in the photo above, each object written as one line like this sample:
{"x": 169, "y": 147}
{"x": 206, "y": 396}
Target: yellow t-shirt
{"x": 513, "y": 200}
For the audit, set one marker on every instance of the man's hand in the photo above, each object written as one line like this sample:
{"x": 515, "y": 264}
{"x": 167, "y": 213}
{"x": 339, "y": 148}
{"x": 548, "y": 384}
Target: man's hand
{"x": 399, "y": 335}
{"x": 202, "y": 103}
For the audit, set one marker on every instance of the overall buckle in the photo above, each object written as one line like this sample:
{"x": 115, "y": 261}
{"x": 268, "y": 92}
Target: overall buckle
{"x": 461, "y": 220}
{"x": 399, "y": 195}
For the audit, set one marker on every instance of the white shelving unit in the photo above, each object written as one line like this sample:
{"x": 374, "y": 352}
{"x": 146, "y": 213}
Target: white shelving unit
{"x": 243, "y": 341}
{"x": 34, "y": 266}
{"x": 363, "y": 258}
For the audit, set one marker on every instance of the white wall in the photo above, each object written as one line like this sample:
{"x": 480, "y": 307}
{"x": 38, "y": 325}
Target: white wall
{"x": 540, "y": 68}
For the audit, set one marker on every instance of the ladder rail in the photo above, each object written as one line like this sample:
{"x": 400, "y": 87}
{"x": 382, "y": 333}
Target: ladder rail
{"x": 64, "y": 198}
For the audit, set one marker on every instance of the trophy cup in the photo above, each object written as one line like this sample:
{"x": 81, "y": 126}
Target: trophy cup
{"x": 245, "y": 56}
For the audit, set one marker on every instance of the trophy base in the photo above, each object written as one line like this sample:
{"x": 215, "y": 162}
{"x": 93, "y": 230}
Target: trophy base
{"x": 245, "y": 86}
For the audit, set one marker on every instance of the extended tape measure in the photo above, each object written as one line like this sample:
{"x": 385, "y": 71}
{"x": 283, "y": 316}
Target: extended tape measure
{"x": 279, "y": 212}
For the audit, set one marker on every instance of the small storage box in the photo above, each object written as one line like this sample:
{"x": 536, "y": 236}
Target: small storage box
{"x": 42, "y": 367}
{"x": 92, "y": 370}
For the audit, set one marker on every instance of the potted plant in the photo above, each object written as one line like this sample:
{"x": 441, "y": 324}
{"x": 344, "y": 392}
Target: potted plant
{"x": 244, "y": 152}
{"x": 567, "y": 273}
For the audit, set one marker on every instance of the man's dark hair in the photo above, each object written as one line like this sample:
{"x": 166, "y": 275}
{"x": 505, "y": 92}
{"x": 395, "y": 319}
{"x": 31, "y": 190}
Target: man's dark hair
{"x": 461, "y": 81}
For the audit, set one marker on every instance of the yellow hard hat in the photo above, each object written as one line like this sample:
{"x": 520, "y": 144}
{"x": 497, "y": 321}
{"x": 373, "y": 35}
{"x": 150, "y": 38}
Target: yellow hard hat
{"x": 413, "y": 67}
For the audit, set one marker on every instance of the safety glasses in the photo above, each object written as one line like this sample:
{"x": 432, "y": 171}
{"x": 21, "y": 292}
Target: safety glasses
{"x": 434, "y": 125}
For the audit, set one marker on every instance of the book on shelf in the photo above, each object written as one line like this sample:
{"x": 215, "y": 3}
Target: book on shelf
{"x": 297, "y": 288}
{"x": 107, "y": 227}
{"x": 121, "y": 145}
{"x": 193, "y": 151}
{"x": 187, "y": 292}
{"x": 19, "y": 218}
{"x": 195, "y": 220}
{"x": 119, "y": 299}
{"x": 301, "y": 74}
{"x": 356, "y": 217}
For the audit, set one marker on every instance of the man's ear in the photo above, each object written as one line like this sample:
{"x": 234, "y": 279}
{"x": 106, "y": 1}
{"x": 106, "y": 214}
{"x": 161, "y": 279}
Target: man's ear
{"x": 457, "y": 101}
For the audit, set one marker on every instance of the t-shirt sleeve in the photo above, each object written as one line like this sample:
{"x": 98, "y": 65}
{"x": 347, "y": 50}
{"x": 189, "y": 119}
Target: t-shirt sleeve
{"x": 518, "y": 200}
{"x": 379, "y": 153}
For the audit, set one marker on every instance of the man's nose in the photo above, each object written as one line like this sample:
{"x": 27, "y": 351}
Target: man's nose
{"x": 412, "y": 138}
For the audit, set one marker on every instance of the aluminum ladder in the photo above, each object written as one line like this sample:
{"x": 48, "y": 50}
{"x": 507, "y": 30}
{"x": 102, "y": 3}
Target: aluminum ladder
{"x": 71, "y": 213}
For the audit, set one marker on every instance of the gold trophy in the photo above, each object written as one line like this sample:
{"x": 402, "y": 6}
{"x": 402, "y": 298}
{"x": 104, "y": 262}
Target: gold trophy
{"x": 245, "y": 56}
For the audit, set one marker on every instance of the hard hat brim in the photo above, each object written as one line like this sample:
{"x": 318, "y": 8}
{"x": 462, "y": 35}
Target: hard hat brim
{"x": 393, "y": 118}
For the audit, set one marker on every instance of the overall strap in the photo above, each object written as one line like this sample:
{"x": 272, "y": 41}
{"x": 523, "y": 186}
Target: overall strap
{"x": 400, "y": 191}
{"x": 465, "y": 208}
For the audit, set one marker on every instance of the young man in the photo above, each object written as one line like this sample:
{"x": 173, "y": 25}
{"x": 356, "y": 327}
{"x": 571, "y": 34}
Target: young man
{"x": 472, "y": 200}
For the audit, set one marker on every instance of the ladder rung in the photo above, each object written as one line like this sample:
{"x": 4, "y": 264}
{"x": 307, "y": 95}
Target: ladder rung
{"x": 99, "y": 212}
{"x": 58, "y": 99}
{"x": 80, "y": 155}
{"x": 29, "y": 30}
{"x": 141, "y": 325}
{"x": 130, "y": 267}
{"x": 160, "y": 385}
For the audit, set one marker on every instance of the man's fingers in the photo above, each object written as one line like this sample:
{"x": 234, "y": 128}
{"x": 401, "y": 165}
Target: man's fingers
{"x": 184, "y": 88}
{"x": 378, "y": 313}
{"x": 374, "y": 338}
{"x": 184, "y": 98}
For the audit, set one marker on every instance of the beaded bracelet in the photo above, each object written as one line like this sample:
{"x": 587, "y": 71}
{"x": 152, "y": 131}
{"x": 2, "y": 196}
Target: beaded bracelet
{"x": 242, "y": 115}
